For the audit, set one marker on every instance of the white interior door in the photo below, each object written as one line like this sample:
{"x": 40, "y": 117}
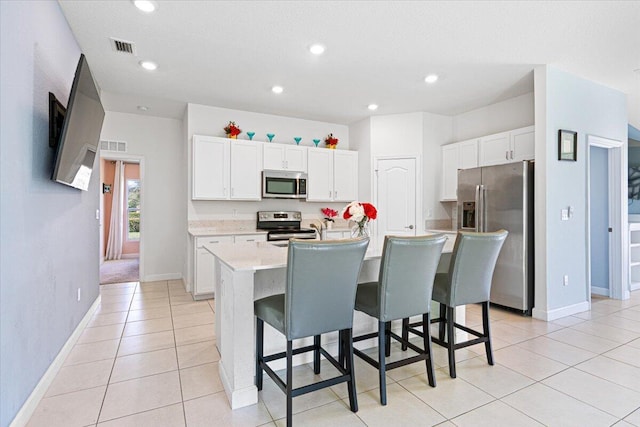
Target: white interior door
{"x": 396, "y": 197}
{"x": 599, "y": 219}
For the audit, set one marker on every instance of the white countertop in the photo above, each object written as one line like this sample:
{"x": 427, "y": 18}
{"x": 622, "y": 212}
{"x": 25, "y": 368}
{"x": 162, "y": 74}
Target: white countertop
{"x": 223, "y": 231}
{"x": 254, "y": 256}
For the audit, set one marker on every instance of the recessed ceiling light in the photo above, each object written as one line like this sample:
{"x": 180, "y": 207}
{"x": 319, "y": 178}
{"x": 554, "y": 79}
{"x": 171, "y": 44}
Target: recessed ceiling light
{"x": 277, "y": 89}
{"x": 148, "y": 65}
{"x": 143, "y": 108}
{"x": 431, "y": 78}
{"x": 145, "y": 5}
{"x": 372, "y": 107}
{"x": 317, "y": 49}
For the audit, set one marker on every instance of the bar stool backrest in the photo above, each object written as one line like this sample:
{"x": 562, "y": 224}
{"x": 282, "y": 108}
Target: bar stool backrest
{"x": 322, "y": 278}
{"x": 407, "y": 270}
{"x": 472, "y": 264}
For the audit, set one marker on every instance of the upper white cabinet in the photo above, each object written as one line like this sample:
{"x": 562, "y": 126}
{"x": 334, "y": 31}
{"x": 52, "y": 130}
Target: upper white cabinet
{"x": 461, "y": 155}
{"x": 333, "y": 175}
{"x": 507, "y": 147}
{"x": 345, "y": 175}
{"x": 210, "y": 168}
{"x": 224, "y": 170}
{"x": 285, "y": 157}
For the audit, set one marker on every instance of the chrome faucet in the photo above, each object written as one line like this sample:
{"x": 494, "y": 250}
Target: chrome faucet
{"x": 322, "y": 231}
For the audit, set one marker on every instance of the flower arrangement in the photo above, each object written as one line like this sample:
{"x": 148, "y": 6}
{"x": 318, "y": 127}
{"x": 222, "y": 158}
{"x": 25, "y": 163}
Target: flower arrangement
{"x": 329, "y": 213}
{"x": 361, "y": 214}
{"x": 232, "y": 130}
{"x": 331, "y": 141}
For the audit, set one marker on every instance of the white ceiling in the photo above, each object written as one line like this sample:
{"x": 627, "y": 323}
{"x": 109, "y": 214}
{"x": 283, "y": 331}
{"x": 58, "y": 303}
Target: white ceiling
{"x": 230, "y": 53}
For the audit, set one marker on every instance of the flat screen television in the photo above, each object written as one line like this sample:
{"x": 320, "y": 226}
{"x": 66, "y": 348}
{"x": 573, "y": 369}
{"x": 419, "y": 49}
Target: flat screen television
{"x": 76, "y": 132}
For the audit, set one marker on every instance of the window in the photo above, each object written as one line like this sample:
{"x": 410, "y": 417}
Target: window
{"x": 133, "y": 209}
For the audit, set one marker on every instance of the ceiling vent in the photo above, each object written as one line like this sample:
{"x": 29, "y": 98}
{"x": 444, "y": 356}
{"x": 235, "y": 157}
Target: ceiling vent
{"x": 116, "y": 146}
{"x": 123, "y": 46}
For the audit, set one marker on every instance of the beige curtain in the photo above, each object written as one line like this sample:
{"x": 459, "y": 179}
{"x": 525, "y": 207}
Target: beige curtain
{"x": 116, "y": 232}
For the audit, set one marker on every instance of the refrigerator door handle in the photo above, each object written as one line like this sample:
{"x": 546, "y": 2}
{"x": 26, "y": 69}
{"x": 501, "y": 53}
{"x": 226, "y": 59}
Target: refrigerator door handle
{"x": 478, "y": 208}
{"x": 481, "y": 226}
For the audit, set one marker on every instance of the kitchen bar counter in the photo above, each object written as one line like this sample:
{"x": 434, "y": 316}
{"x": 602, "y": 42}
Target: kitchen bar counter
{"x": 249, "y": 271}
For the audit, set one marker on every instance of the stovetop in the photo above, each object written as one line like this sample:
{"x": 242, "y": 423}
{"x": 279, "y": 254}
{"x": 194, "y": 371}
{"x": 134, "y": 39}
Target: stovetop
{"x": 283, "y": 225}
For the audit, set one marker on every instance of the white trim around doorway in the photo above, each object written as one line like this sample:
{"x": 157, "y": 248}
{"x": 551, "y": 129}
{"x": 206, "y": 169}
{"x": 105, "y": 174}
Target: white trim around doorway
{"x": 618, "y": 218}
{"x": 129, "y": 158}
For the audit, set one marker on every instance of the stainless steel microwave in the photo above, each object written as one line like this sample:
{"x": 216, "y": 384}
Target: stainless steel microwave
{"x": 284, "y": 185}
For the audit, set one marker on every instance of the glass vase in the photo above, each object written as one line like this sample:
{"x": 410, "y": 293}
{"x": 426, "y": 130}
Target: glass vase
{"x": 360, "y": 230}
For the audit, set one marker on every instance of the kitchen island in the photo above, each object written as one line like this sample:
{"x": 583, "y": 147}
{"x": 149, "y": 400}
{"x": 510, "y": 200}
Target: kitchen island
{"x": 249, "y": 271}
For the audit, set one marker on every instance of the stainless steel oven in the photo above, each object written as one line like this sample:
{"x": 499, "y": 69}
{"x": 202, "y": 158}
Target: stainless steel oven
{"x": 282, "y": 226}
{"x": 284, "y": 185}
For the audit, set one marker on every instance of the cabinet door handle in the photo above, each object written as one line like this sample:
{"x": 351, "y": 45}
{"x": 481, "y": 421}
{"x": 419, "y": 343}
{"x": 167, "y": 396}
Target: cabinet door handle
{"x": 232, "y": 191}
{"x": 214, "y": 241}
{"x": 511, "y": 154}
{"x": 506, "y": 155}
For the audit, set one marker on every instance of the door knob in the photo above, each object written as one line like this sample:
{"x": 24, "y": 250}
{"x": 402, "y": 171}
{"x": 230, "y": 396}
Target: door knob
{"x": 410, "y": 227}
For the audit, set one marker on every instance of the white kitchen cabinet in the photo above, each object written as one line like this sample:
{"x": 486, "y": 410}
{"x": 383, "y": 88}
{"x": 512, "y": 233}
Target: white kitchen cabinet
{"x": 507, "y": 147}
{"x": 226, "y": 170}
{"x": 338, "y": 234}
{"x": 333, "y": 175}
{"x": 345, "y": 175}
{"x": 285, "y": 157}
{"x": 204, "y": 266}
{"x": 246, "y": 162}
{"x": 210, "y": 168}
{"x": 461, "y": 155}
{"x": 523, "y": 144}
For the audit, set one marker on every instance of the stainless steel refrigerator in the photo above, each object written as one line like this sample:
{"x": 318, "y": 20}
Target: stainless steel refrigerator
{"x": 495, "y": 197}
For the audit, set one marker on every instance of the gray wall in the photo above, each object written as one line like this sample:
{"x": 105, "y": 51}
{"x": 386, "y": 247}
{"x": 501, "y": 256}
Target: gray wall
{"x": 565, "y": 101}
{"x": 49, "y": 245}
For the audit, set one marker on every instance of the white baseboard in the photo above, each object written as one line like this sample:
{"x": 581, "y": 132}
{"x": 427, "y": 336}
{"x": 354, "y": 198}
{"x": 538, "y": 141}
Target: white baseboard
{"x": 549, "y": 315}
{"x": 600, "y": 291}
{"x": 24, "y": 414}
{"x": 129, "y": 256}
{"x": 158, "y": 277}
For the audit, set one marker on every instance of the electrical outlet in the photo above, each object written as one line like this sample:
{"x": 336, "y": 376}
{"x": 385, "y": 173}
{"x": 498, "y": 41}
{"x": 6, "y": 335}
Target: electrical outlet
{"x": 429, "y": 213}
{"x": 97, "y": 213}
{"x": 79, "y": 294}
{"x": 565, "y": 280}
{"x": 565, "y": 214}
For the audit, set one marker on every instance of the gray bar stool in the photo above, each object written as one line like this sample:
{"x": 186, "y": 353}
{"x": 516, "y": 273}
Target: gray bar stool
{"x": 468, "y": 281}
{"x": 403, "y": 289}
{"x": 319, "y": 297}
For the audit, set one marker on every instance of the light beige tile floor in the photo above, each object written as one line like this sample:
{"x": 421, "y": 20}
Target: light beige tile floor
{"x": 148, "y": 358}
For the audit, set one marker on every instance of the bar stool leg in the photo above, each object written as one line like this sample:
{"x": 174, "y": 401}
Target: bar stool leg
{"x": 405, "y": 332}
{"x": 451, "y": 341}
{"x": 381, "y": 361}
{"x": 442, "y": 324}
{"x": 316, "y": 354}
{"x": 426, "y": 339}
{"x": 259, "y": 351}
{"x": 341, "y": 348}
{"x": 487, "y": 331}
{"x": 387, "y": 343}
{"x": 289, "y": 383}
{"x": 351, "y": 384}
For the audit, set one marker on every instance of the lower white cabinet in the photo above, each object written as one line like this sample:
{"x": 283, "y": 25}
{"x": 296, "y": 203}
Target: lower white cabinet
{"x": 204, "y": 266}
{"x": 338, "y": 234}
